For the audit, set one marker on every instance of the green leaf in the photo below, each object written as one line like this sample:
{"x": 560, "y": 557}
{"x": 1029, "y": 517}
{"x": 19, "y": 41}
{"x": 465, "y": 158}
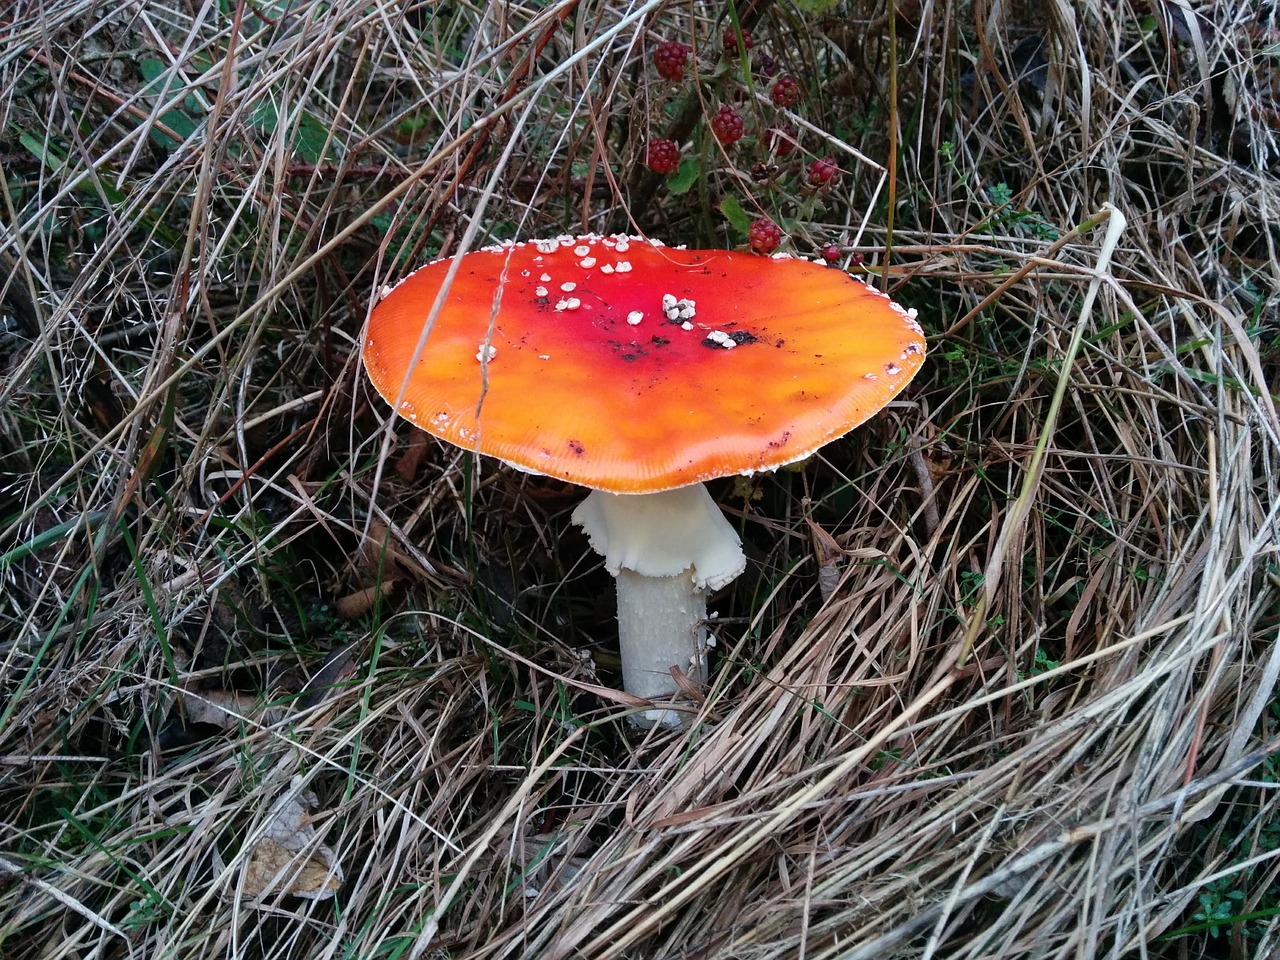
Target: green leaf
{"x": 736, "y": 216}
{"x": 162, "y": 87}
{"x": 685, "y": 177}
{"x": 49, "y": 155}
{"x": 310, "y": 139}
{"x": 309, "y": 134}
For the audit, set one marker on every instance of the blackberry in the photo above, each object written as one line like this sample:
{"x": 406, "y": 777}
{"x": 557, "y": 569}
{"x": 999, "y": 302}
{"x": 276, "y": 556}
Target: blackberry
{"x": 669, "y": 59}
{"x": 785, "y": 92}
{"x": 782, "y": 140}
{"x": 765, "y": 236}
{"x": 662, "y": 156}
{"x": 823, "y": 172}
{"x": 731, "y": 42}
{"x": 727, "y": 125}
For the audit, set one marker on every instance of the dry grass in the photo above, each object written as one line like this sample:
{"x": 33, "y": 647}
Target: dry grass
{"x": 1037, "y": 715}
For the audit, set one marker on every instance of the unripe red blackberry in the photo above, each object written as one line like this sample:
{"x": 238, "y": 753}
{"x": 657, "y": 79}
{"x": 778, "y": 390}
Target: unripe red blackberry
{"x": 785, "y": 92}
{"x": 782, "y": 140}
{"x": 831, "y": 253}
{"x": 764, "y": 236}
{"x": 669, "y": 59}
{"x": 823, "y": 172}
{"x": 727, "y": 125}
{"x": 662, "y": 156}
{"x": 731, "y": 42}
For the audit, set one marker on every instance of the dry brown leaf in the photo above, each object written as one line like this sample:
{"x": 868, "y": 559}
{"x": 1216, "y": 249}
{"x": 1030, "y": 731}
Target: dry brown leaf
{"x": 273, "y": 866}
{"x": 379, "y": 556}
{"x": 829, "y": 554}
{"x": 219, "y": 708}
{"x": 409, "y": 462}
{"x": 290, "y": 858}
{"x": 356, "y": 605}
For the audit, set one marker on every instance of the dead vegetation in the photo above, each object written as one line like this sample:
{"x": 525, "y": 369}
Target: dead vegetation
{"x": 281, "y": 678}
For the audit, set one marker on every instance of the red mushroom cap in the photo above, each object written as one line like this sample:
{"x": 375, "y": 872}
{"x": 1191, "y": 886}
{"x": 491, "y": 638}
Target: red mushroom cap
{"x": 627, "y": 366}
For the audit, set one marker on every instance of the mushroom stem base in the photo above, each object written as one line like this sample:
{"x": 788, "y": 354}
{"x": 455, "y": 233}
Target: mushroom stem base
{"x": 661, "y": 624}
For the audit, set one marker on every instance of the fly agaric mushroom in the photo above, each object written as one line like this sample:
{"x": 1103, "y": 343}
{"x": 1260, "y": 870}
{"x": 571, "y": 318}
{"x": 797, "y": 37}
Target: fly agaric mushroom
{"x": 640, "y": 371}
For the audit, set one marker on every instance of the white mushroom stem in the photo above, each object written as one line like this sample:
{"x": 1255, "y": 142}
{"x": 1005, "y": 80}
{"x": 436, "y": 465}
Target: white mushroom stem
{"x": 667, "y": 551}
{"x": 660, "y": 625}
